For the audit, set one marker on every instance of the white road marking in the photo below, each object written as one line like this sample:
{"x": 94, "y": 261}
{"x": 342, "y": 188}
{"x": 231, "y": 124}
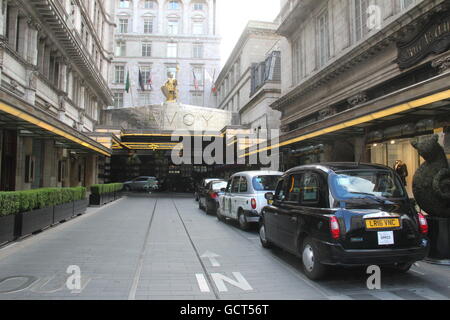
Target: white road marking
{"x": 241, "y": 283}
{"x": 202, "y": 283}
{"x": 418, "y": 272}
{"x": 212, "y": 258}
{"x": 430, "y": 294}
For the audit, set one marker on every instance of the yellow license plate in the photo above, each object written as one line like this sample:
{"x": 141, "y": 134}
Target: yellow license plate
{"x": 386, "y": 223}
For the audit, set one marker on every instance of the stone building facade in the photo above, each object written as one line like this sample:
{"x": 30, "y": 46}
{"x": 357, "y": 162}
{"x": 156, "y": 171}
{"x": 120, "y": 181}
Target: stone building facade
{"x": 250, "y": 80}
{"x": 54, "y": 65}
{"x": 155, "y": 37}
{"x": 362, "y": 79}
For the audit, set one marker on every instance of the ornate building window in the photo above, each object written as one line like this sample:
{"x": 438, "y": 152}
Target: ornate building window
{"x": 121, "y": 48}
{"x": 198, "y": 27}
{"x": 197, "y": 51}
{"x": 405, "y": 4}
{"x": 198, "y": 6}
{"x": 148, "y": 25}
{"x": 146, "y": 49}
{"x": 149, "y": 4}
{"x": 123, "y": 25}
{"x": 323, "y": 49}
{"x": 172, "y": 50}
{"x": 297, "y": 59}
{"x": 118, "y": 100}
{"x": 119, "y": 74}
{"x": 172, "y": 26}
{"x": 124, "y": 4}
{"x": 173, "y": 5}
{"x": 361, "y": 16}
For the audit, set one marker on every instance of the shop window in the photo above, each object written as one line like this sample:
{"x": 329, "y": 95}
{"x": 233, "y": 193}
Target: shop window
{"x": 29, "y": 169}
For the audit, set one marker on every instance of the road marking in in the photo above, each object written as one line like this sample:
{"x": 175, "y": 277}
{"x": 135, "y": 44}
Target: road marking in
{"x": 202, "y": 283}
{"x": 137, "y": 274}
{"x": 240, "y": 282}
{"x": 212, "y": 258}
{"x": 418, "y": 272}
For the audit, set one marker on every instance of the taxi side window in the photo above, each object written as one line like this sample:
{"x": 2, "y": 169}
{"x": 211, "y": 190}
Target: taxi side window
{"x": 280, "y": 193}
{"x": 294, "y": 188}
{"x": 243, "y": 185}
{"x": 235, "y": 185}
{"x": 312, "y": 194}
{"x": 229, "y": 186}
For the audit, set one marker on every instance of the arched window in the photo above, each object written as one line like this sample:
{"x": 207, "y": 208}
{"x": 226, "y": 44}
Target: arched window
{"x": 124, "y": 4}
{"x": 174, "y": 5}
{"x": 149, "y": 4}
{"x": 198, "y": 6}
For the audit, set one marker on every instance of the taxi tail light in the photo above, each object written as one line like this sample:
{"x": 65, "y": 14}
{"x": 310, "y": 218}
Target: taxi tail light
{"x": 334, "y": 228}
{"x": 214, "y": 195}
{"x": 253, "y": 203}
{"x": 423, "y": 224}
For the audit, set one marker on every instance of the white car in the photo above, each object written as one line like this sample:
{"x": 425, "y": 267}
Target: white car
{"x": 244, "y": 197}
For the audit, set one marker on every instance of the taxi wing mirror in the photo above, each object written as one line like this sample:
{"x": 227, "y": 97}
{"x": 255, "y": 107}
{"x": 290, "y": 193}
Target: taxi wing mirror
{"x": 269, "y": 196}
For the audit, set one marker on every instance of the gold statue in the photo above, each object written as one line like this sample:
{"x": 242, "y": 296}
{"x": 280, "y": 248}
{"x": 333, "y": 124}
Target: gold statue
{"x": 170, "y": 88}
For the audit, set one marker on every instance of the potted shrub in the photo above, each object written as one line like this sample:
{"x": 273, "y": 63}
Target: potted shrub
{"x": 9, "y": 207}
{"x": 80, "y": 203}
{"x": 104, "y": 193}
{"x": 64, "y": 207}
{"x": 36, "y": 210}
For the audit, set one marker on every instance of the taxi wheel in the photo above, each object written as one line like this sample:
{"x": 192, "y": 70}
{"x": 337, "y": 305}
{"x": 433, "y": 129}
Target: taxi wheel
{"x": 314, "y": 270}
{"x": 220, "y": 216}
{"x": 262, "y": 236}
{"x": 402, "y": 267}
{"x": 243, "y": 224}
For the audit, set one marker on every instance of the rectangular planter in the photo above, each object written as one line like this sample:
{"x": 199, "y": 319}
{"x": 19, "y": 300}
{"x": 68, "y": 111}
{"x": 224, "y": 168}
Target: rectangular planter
{"x": 7, "y": 228}
{"x": 439, "y": 235}
{"x": 95, "y": 200}
{"x": 80, "y": 206}
{"x": 33, "y": 221}
{"x": 63, "y": 212}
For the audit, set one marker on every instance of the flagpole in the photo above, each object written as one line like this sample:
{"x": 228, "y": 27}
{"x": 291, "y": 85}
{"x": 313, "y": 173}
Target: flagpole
{"x": 204, "y": 84}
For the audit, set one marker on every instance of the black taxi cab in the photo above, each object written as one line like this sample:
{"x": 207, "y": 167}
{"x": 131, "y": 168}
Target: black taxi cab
{"x": 344, "y": 214}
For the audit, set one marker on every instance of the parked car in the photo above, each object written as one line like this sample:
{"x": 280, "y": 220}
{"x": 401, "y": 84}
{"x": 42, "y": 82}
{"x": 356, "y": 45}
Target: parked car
{"x": 201, "y": 187}
{"x": 344, "y": 214}
{"x": 244, "y": 196}
{"x": 209, "y": 198}
{"x": 152, "y": 185}
{"x": 137, "y": 184}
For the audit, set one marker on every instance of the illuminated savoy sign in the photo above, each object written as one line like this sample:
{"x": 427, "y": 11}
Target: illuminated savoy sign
{"x": 434, "y": 38}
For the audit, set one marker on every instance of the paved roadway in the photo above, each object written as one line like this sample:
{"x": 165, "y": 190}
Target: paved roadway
{"x": 162, "y": 247}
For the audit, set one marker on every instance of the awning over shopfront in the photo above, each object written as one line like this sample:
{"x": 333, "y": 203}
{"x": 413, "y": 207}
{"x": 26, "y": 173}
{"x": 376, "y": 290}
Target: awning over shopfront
{"x": 430, "y": 98}
{"x": 29, "y": 121}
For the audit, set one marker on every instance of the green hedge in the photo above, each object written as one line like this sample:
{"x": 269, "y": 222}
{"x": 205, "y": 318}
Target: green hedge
{"x": 99, "y": 189}
{"x": 23, "y": 201}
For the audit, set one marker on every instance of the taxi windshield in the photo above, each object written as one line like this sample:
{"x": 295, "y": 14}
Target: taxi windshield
{"x": 365, "y": 183}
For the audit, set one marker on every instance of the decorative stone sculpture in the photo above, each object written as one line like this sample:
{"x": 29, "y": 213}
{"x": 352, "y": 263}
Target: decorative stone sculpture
{"x": 170, "y": 89}
{"x": 431, "y": 184}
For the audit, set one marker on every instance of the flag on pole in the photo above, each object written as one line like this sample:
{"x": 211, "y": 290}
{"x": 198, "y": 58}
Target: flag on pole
{"x": 149, "y": 81}
{"x": 127, "y": 84}
{"x": 213, "y": 88}
{"x": 141, "y": 81}
{"x": 195, "y": 80}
